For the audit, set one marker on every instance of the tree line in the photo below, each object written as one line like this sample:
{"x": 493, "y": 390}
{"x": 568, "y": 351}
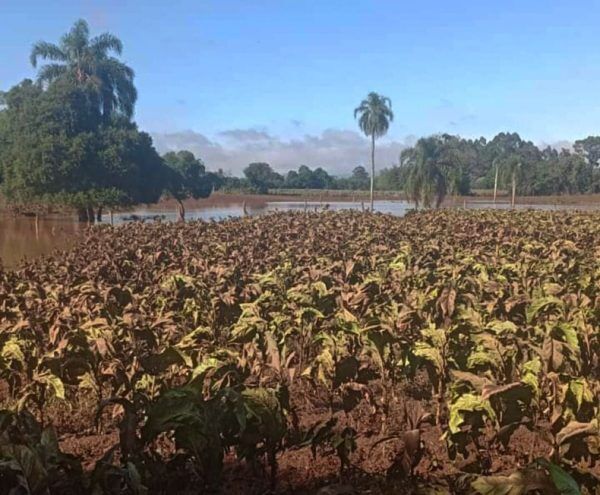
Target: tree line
{"x": 260, "y": 178}
{"x": 68, "y": 139}
{"x": 445, "y": 164}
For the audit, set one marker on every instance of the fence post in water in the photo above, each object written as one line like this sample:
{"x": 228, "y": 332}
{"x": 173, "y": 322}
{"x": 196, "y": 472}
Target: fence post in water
{"x": 464, "y": 204}
{"x": 111, "y": 218}
{"x": 362, "y": 206}
{"x": 305, "y": 206}
{"x": 37, "y": 225}
{"x": 244, "y": 209}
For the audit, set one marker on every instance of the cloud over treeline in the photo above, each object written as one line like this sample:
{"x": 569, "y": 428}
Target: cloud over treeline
{"x": 336, "y": 150}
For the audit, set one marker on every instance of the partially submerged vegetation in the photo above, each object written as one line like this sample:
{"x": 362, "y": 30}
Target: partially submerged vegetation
{"x": 449, "y": 351}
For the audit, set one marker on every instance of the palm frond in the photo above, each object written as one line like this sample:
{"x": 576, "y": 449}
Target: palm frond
{"x": 374, "y": 115}
{"x": 76, "y": 40}
{"x": 51, "y": 72}
{"x": 119, "y": 90}
{"x": 89, "y": 63}
{"x": 45, "y": 50}
{"x": 105, "y": 43}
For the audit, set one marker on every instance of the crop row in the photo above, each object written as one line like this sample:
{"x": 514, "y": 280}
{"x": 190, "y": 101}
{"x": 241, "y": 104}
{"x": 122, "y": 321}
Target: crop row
{"x": 209, "y": 339}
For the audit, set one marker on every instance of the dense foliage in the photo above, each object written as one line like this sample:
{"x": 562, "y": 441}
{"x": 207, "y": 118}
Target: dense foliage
{"x": 361, "y": 336}
{"x": 58, "y": 149}
{"x": 186, "y": 178}
{"x": 505, "y": 160}
{"x": 67, "y": 140}
{"x": 260, "y": 178}
{"x": 445, "y": 164}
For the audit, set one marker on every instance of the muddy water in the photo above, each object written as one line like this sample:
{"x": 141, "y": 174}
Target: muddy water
{"x": 19, "y": 239}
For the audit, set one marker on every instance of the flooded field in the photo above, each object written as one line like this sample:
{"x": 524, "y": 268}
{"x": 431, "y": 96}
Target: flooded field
{"x": 19, "y": 238}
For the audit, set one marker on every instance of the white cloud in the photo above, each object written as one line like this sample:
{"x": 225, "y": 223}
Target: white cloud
{"x": 336, "y": 150}
{"x": 246, "y": 135}
{"x": 557, "y": 145}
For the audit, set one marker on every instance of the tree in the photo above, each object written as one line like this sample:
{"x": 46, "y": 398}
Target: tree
{"x": 426, "y": 181}
{"x": 305, "y": 178}
{"x": 321, "y": 179}
{"x": 291, "y": 180}
{"x": 589, "y": 148}
{"x": 261, "y": 177}
{"x": 187, "y": 178}
{"x": 391, "y": 179}
{"x": 359, "y": 180}
{"x": 59, "y": 151}
{"x": 374, "y": 116}
{"x": 89, "y": 62}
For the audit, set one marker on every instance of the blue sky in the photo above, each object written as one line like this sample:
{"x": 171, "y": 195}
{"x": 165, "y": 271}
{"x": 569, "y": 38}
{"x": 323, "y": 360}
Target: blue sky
{"x": 284, "y": 75}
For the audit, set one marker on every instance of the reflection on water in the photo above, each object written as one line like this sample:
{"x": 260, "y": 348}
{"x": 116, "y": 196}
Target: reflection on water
{"x": 19, "y": 240}
{"x": 220, "y": 212}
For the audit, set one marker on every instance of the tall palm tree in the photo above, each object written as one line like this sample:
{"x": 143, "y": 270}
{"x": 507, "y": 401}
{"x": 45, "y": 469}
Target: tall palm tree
{"x": 374, "y": 116}
{"x": 89, "y": 62}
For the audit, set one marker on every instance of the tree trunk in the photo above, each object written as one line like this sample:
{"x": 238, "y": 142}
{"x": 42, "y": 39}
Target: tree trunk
{"x": 90, "y": 214}
{"x": 82, "y": 214}
{"x": 514, "y": 189}
{"x": 181, "y": 210}
{"x": 372, "y": 168}
{"x": 99, "y": 214}
{"x": 495, "y": 184}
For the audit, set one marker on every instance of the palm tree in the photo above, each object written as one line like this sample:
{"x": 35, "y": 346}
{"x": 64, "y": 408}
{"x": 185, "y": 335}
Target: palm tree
{"x": 375, "y": 113}
{"x": 89, "y": 62}
{"x": 427, "y": 179}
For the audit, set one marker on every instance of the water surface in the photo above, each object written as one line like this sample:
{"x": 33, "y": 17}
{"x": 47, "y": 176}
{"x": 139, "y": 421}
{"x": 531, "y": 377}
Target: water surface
{"x": 19, "y": 239}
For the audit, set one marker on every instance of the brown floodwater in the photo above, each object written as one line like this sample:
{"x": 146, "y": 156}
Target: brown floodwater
{"x": 19, "y": 239}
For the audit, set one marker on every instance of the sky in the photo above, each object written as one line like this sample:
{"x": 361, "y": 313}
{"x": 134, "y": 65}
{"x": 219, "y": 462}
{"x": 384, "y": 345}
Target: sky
{"x": 238, "y": 81}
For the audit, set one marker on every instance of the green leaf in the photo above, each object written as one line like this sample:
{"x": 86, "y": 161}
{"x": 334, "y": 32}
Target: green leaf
{"x": 570, "y": 335}
{"x": 580, "y": 391}
{"x": 563, "y": 481}
{"x": 207, "y": 364}
{"x": 541, "y": 304}
{"x": 49, "y": 440}
{"x": 135, "y": 480}
{"x": 500, "y": 327}
{"x": 29, "y": 464}
{"x": 430, "y": 354}
{"x": 11, "y": 351}
{"x": 468, "y": 403}
{"x": 52, "y": 383}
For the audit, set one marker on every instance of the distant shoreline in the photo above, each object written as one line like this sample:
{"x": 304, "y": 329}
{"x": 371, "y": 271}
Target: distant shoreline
{"x": 220, "y": 198}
